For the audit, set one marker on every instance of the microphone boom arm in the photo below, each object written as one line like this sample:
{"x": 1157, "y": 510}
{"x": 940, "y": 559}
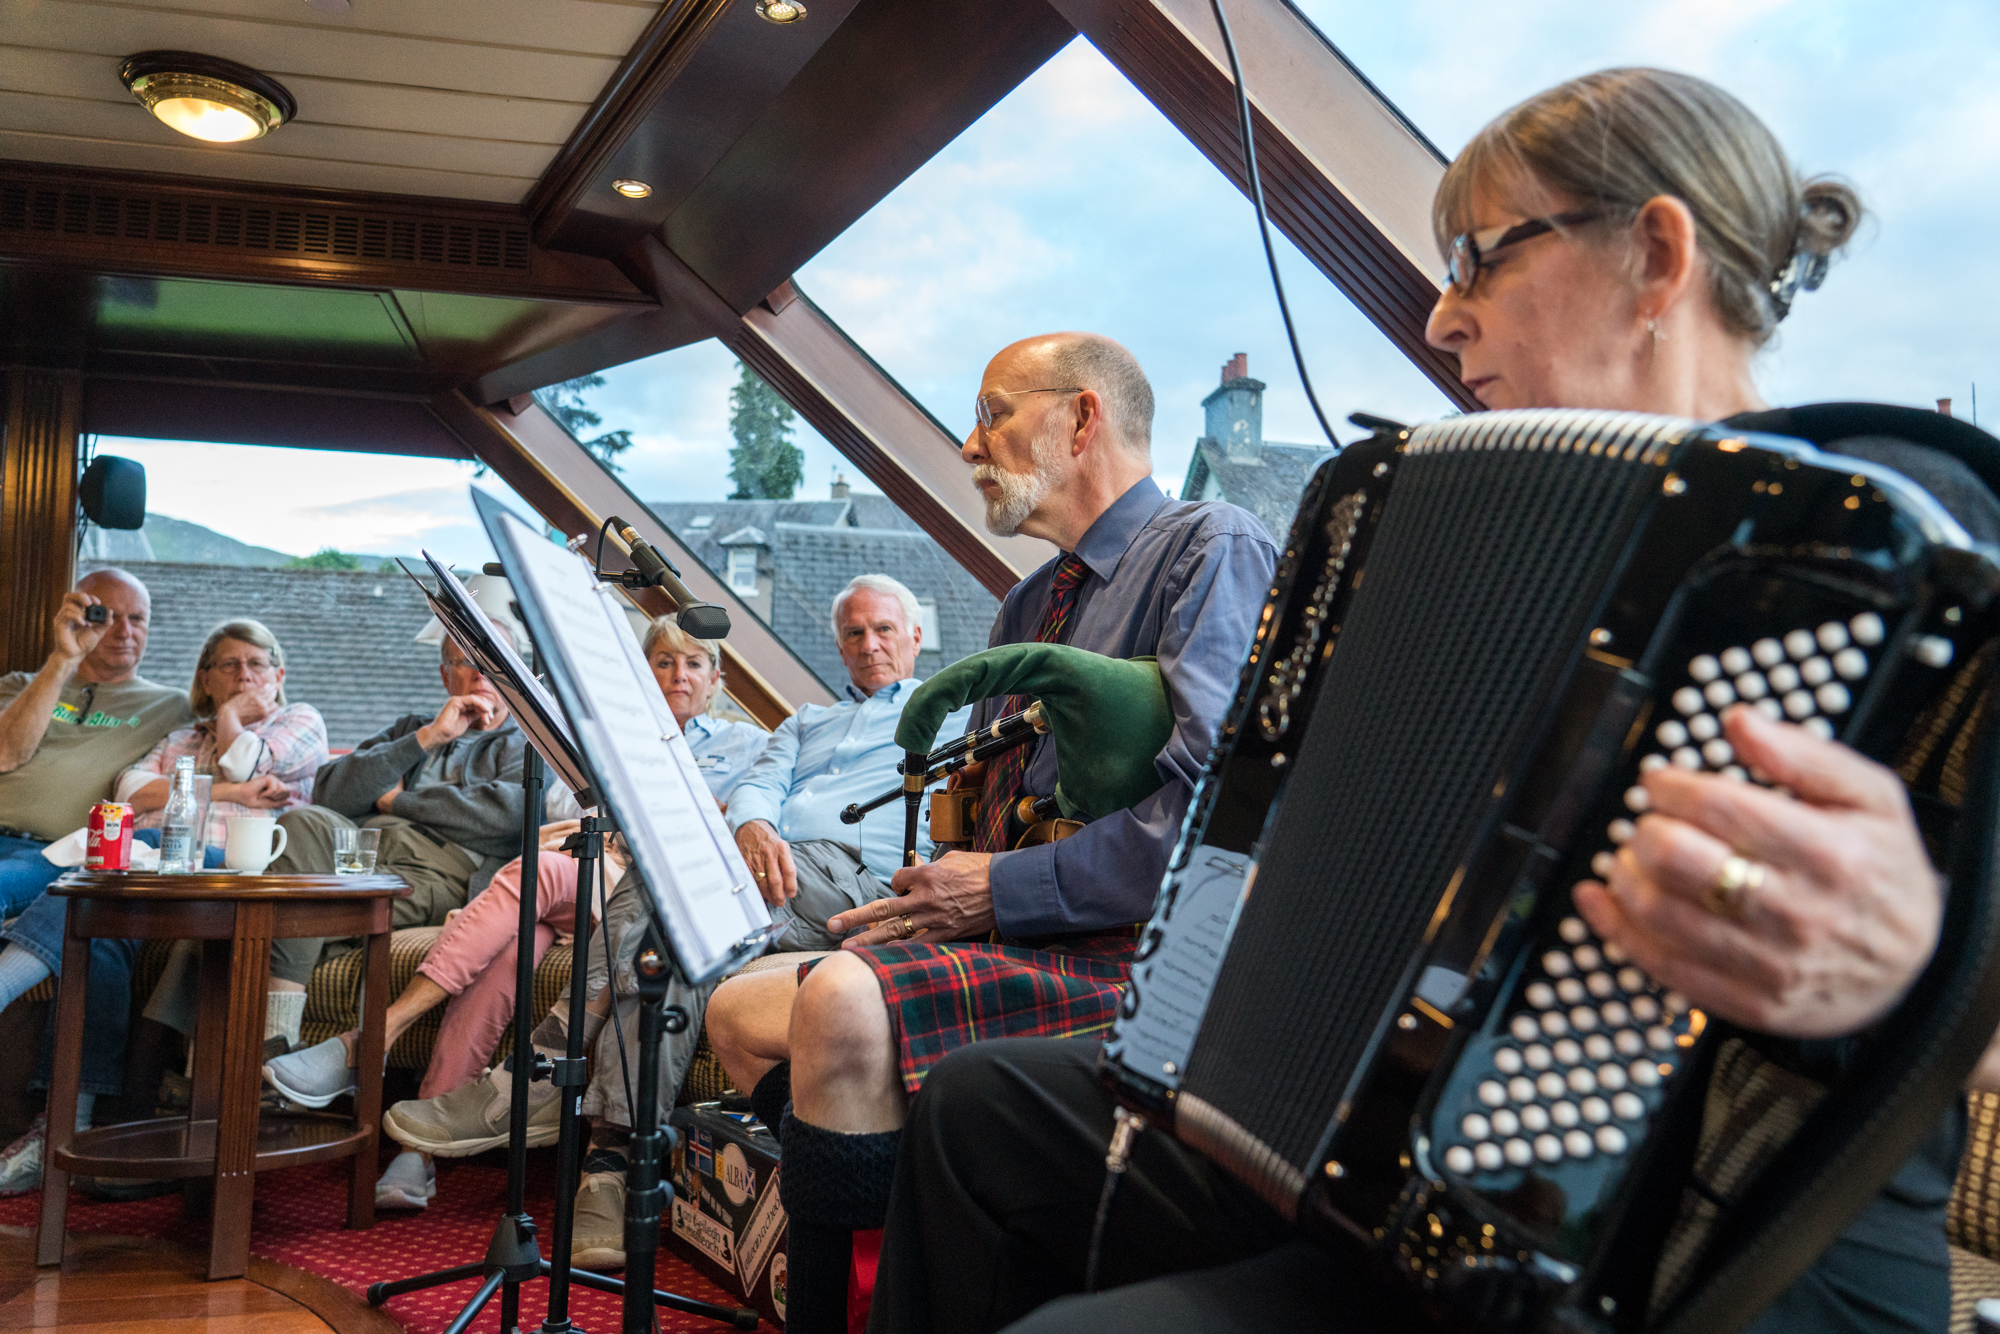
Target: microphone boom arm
{"x": 1016, "y": 729}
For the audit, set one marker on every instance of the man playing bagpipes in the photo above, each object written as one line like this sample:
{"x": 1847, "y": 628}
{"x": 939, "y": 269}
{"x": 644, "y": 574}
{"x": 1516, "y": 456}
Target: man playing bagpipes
{"x": 1004, "y": 941}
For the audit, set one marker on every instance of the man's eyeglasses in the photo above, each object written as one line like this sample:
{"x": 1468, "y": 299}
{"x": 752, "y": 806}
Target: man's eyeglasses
{"x": 982, "y": 408}
{"x": 1468, "y": 249}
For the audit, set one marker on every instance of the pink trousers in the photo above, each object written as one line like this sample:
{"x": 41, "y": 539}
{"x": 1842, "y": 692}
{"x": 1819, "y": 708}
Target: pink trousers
{"x": 474, "y": 961}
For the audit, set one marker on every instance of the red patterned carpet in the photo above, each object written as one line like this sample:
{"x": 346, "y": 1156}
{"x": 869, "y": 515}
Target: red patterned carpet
{"x": 298, "y": 1222}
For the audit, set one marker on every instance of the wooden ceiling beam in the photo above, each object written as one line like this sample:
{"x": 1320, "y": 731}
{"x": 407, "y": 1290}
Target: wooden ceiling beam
{"x": 1346, "y": 176}
{"x": 571, "y": 489}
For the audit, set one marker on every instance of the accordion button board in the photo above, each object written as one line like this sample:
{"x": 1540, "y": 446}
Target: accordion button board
{"x": 1364, "y": 991}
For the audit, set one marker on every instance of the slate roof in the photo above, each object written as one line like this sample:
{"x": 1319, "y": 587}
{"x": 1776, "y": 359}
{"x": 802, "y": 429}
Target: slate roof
{"x": 348, "y": 636}
{"x": 816, "y": 546}
{"x": 1268, "y": 485}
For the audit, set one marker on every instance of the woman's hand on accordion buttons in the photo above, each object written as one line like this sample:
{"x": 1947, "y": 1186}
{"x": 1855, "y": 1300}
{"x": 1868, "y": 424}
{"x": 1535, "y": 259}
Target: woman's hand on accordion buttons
{"x": 948, "y": 899}
{"x": 1844, "y": 917}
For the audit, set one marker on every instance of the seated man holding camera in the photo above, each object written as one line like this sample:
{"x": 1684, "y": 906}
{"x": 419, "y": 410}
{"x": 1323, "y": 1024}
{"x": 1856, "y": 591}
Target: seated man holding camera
{"x": 1062, "y": 451}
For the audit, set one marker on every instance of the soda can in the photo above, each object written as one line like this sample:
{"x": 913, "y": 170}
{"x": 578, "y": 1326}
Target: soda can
{"x": 110, "y": 837}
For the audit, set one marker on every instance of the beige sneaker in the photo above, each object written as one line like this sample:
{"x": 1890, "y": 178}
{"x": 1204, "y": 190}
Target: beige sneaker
{"x": 472, "y": 1118}
{"x": 599, "y": 1238}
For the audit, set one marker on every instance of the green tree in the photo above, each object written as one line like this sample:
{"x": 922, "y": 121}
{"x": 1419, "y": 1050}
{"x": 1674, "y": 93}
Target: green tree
{"x": 326, "y": 558}
{"x": 564, "y": 401}
{"x": 764, "y": 464}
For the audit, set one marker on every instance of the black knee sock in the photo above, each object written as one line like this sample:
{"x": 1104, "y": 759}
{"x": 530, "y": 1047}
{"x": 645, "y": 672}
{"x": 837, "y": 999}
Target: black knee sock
{"x": 831, "y": 1184}
{"x": 771, "y": 1096}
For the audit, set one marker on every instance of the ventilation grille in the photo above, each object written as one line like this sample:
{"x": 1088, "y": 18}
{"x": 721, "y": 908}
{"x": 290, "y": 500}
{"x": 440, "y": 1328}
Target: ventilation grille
{"x": 164, "y": 219}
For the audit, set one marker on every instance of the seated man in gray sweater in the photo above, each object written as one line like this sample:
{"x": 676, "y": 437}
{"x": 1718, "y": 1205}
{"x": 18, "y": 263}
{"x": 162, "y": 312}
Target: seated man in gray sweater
{"x": 446, "y": 794}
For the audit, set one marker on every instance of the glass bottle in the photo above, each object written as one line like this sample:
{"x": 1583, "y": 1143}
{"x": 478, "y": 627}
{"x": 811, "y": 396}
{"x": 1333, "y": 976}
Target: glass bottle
{"x": 179, "y": 839}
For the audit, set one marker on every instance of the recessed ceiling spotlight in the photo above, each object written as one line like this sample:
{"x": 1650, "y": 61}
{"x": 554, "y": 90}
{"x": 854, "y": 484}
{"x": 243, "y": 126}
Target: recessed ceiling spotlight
{"x": 780, "y": 11}
{"x": 205, "y": 97}
{"x": 632, "y": 189}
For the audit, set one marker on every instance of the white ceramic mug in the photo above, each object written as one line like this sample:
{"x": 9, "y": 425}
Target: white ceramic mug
{"x": 248, "y": 847}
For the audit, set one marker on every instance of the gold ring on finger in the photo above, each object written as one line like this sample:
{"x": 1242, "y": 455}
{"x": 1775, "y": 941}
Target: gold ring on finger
{"x": 1735, "y": 884}
{"x": 905, "y": 928}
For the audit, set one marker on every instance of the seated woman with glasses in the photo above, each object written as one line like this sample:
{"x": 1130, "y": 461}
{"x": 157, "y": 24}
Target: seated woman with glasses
{"x": 262, "y": 753}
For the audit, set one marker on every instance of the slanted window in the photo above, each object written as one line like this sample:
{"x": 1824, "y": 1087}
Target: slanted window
{"x": 927, "y": 617}
{"x": 743, "y": 569}
{"x": 701, "y": 521}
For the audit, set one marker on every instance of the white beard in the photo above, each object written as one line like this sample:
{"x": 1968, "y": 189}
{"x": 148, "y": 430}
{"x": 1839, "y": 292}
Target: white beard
{"x": 1019, "y": 494}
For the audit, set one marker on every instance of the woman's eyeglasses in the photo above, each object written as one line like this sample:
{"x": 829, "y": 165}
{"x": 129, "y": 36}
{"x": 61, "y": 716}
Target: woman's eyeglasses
{"x": 1469, "y": 249}
{"x": 983, "y": 409}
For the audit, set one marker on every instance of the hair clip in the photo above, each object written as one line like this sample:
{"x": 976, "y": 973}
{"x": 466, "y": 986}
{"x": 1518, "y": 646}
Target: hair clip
{"x": 1804, "y": 272}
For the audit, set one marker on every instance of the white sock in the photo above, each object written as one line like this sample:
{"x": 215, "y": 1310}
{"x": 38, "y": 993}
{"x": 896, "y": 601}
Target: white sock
{"x": 19, "y": 972}
{"x": 85, "y": 1102}
{"x": 284, "y": 1014}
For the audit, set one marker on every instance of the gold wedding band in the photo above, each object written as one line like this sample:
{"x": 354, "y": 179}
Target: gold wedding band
{"x": 905, "y": 928}
{"x": 1729, "y": 894}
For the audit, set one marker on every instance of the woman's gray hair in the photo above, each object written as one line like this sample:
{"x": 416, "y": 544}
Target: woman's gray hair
{"x": 667, "y": 630}
{"x": 246, "y": 631}
{"x": 1617, "y": 138}
{"x": 913, "y": 615}
{"x": 1092, "y": 361}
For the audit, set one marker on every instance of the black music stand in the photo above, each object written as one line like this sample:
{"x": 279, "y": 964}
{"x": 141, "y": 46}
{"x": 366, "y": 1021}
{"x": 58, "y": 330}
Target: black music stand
{"x": 513, "y": 1255}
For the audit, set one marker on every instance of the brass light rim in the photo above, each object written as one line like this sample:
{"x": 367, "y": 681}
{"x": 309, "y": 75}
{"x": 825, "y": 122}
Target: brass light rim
{"x": 154, "y": 76}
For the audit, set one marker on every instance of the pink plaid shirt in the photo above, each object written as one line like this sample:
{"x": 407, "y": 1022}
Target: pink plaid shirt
{"x": 294, "y": 748}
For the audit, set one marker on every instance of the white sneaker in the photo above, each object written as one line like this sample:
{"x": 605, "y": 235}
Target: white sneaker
{"x": 407, "y": 1183}
{"x": 21, "y": 1162}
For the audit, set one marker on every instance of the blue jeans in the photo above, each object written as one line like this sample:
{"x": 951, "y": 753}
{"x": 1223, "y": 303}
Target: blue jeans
{"x": 108, "y": 1004}
{"x": 24, "y": 873}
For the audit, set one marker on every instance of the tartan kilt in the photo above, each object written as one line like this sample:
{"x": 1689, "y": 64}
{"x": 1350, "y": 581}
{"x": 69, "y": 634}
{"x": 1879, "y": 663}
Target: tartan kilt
{"x": 942, "y": 997}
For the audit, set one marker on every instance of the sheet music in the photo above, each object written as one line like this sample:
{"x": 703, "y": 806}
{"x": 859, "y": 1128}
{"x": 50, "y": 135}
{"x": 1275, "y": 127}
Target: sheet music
{"x": 1174, "y": 985}
{"x": 533, "y": 707}
{"x": 700, "y": 888}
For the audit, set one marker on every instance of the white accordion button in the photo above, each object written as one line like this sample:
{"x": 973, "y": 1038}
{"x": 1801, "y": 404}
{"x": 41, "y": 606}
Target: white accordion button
{"x": 1508, "y": 1062}
{"x": 1564, "y": 1115}
{"x": 1704, "y": 669}
{"x": 1458, "y": 1159}
{"x": 1556, "y": 964}
{"x": 1569, "y": 990}
{"x": 1751, "y": 685}
{"x": 1533, "y": 1119}
{"x": 1645, "y": 1009}
{"x": 1619, "y": 830}
{"x": 1518, "y": 1152}
{"x": 1687, "y": 757}
{"x": 1573, "y": 930}
{"x": 1581, "y": 1080}
{"x": 1523, "y": 1026}
{"x": 1578, "y": 1144}
{"x": 1554, "y": 1024}
{"x": 1671, "y": 733}
{"x": 1583, "y": 1019}
{"x": 1489, "y": 1157}
{"x": 1659, "y": 1038}
{"x": 1653, "y": 762}
{"x": 1815, "y": 671}
{"x": 1492, "y": 1093}
{"x": 1851, "y": 663}
{"x": 1628, "y": 1106}
{"x": 1644, "y": 1074}
{"x": 1799, "y": 704}
{"x": 1932, "y": 651}
{"x": 1540, "y": 995}
{"x": 1801, "y": 644}
{"x": 1586, "y": 957}
{"x": 1611, "y": 1078}
{"x": 1833, "y": 697}
{"x": 1768, "y": 652}
{"x": 1612, "y": 953}
{"x": 1703, "y": 726}
{"x": 1602, "y": 864}
{"x": 1505, "y": 1123}
{"x": 1687, "y": 699}
{"x": 1717, "y": 752}
{"x": 1596, "y": 1111}
{"x": 1548, "y": 1148}
{"x": 1820, "y": 728}
{"x": 1475, "y": 1126}
{"x": 1637, "y": 798}
{"x": 1832, "y": 635}
{"x": 1868, "y": 628}
{"x": 1676, "y": 1003}
{"x": 1597, "y": 1046}
{"x": 1736, "y": 661}
{"x": 1770, "y": 708}
{"x": 1616, "y": 1015}
{"x": 1522, "y": 1089}
{"x": 1784, "y": 677}
{"x": 1601, "y": 986}
{"x": 1536, "y": 1056}
{"x": 1631, "y": 979}
{"x": 1735, "y": 773}
{"x": 1567, "y": 1052}
{"x": 1719, "y": 693}
{"x": 1549, "y": 1084}
{"x": 1611, "y": 1139}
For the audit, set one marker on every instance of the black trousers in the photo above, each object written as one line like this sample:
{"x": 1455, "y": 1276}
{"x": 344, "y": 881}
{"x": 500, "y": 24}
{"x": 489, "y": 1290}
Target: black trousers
{"x": 1001, "y": 1168}
{"x": 997, "y": 1187}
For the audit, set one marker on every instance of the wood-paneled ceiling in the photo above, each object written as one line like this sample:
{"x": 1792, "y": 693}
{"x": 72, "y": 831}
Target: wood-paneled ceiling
{"x": 455, "y": 99}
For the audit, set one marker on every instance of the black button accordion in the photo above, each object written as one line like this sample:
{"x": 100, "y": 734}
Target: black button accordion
{"x": 1365, "y": 992}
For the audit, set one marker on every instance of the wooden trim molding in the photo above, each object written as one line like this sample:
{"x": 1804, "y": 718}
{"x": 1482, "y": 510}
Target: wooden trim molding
{"x": 573, "y": 491}
{"x": 38, "y": 444}
{"x": 1346, "y": 176}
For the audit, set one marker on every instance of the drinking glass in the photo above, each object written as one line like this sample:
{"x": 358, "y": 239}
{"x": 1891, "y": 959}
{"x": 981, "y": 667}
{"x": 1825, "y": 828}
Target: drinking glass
{"x": 354, "y": 850}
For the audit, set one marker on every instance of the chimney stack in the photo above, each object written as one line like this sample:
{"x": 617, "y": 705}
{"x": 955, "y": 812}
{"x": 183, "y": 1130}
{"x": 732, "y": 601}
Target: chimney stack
{"x": 840, "y": 487}
{"x": 1944, "y": 406}
{"x": 1236, "y": 368}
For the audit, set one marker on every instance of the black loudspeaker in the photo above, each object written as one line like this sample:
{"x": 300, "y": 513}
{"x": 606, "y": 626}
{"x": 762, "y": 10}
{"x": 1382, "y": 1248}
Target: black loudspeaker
{"x": 113, "y": 492}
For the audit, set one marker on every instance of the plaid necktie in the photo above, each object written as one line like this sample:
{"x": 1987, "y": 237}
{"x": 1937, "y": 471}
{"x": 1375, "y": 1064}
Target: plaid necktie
{"x": 1004, "y": 772}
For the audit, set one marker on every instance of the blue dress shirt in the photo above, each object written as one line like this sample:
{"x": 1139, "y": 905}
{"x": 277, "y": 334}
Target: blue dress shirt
{"x": 724, "y": 749}
{"x": 1179, "y": 580}
{"x": 821, "y": 760}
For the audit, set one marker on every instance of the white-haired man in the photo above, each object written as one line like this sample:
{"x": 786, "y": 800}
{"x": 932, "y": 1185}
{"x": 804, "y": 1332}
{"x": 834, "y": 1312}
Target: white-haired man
{"x": 786, "y": 811}
{"x": 1062, "y": 451}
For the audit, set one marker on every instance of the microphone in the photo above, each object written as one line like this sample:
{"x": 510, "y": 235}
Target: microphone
{"x": 703, "y": 620}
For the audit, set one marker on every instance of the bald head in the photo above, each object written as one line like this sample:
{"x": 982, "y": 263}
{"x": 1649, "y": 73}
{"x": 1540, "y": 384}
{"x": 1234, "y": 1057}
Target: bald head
{"x": 1092, "y": 361}
{"x": 117, "y": 653}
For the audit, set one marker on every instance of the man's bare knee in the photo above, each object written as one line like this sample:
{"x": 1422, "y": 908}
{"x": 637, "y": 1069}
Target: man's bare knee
{"x": 839, "y": 1016}
{"x": 750, "y": 1015}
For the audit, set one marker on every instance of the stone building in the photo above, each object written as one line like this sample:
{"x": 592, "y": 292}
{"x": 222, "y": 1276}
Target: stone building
{"x": 1234, "y": 462}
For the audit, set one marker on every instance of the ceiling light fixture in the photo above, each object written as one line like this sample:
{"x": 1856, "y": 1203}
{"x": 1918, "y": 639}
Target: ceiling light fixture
{"x": 780, "y": 11}
{"x": 632, "y": 189}
{"x": 205, "y": 97}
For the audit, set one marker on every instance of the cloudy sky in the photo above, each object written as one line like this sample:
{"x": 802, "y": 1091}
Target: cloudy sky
{"x": 1073, "y": 204}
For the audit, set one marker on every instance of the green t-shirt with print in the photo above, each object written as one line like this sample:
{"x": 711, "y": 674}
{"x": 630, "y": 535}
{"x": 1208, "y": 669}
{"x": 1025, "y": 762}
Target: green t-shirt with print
{"x": 96, "y": 732}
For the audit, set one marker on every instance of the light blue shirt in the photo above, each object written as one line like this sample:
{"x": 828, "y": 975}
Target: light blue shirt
{"x": 724, "y": 750}
{"x": 823, "y": 759}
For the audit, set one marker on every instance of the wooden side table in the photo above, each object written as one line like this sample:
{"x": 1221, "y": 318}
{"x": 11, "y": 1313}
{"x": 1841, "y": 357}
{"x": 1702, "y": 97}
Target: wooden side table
{"x": 235, "y": 917}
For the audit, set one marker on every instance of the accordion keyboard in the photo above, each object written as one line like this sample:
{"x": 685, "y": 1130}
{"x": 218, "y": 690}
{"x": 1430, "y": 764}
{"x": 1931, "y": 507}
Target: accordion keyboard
{"x": 1578, "y": 1061}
